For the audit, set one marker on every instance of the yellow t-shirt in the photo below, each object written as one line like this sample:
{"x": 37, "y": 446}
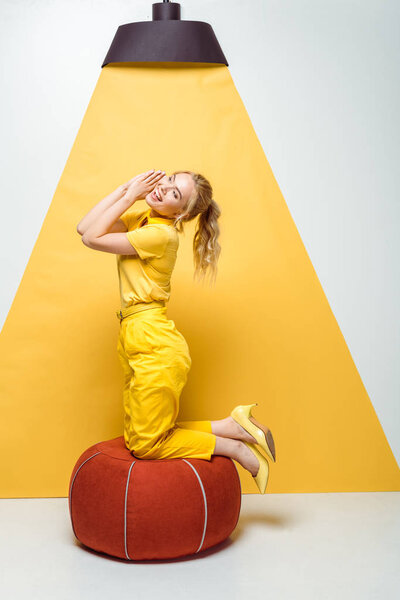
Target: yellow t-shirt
{"x": 146, "y": 277}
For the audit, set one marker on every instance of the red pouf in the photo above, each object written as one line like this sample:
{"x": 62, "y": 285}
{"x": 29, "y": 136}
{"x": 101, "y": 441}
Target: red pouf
{"x": 151, "y": 509}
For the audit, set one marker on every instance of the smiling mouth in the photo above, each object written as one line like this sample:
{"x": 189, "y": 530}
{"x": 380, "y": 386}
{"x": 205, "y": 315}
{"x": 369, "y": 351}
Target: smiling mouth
{"x": 155, "y": 197}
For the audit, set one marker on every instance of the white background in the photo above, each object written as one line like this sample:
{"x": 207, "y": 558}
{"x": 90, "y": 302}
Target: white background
{"x": 320, "y": 81}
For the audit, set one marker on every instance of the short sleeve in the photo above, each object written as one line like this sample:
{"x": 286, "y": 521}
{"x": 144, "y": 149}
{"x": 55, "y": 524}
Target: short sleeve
{"x": 149, "y": 241}
{"x": 131, "y": 216}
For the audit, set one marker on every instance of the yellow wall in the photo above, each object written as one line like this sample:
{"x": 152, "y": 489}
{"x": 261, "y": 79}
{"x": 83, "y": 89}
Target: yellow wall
{"x": 265, "y": 333}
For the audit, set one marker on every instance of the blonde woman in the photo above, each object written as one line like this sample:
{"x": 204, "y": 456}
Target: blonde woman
{"x": 154, "y": 354}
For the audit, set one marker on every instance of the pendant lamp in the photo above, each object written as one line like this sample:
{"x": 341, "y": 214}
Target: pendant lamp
{"x": 166, "y": 38}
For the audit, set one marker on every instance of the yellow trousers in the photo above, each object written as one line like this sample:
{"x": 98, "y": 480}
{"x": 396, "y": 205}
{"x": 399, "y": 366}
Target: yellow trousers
{"x": 155, "y": 359}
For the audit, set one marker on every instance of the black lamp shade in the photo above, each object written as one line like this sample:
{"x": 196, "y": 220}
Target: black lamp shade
{"x": 165, "y": 39}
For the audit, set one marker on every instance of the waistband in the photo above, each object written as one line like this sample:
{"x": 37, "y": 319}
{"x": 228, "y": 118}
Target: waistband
{"x": 138, "y": 307}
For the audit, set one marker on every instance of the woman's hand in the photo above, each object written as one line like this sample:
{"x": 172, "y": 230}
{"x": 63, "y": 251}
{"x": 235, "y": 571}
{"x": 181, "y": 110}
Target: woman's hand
{"x": 138, "y": 187}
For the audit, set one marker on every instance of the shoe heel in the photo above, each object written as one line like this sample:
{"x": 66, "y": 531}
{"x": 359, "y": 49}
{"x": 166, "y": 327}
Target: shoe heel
{"x": 242, "y": 415}
{"x": 261, "y": 478}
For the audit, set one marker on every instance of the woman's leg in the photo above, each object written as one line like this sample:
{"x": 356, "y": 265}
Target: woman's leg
{"x": 195, "y": 443}
{"x": 237, "y": 450}
{"x": 147, "y": 386}
{"x": 228, "y": 431}
{"x": 228, "y": 434}
{"x": 126, "y": 392}
{"x": 223, "y": 445}
{"x": 227, "y": 428}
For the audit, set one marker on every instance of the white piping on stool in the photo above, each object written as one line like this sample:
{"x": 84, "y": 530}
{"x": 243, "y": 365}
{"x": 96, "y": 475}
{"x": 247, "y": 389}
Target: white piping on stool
{"x": 126, "y": 501}
{"x": 205, "y": 503}
{"x": 70, "y": 489}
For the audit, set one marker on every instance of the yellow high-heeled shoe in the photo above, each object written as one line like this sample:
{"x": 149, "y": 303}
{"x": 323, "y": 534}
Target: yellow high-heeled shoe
{"x": 261, "y": 478}
{"x": 242, "y": 415}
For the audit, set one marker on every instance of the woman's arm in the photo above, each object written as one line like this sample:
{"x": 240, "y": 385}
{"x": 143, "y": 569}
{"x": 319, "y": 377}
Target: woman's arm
{"x": 98, "y": 235}
{"x": 99, "y": 209}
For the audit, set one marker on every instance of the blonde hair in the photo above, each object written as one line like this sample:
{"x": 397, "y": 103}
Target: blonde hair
{"x": 206, "y": 249}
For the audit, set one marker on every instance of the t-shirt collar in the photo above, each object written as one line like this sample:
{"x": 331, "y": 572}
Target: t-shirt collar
{"x": 165, "y": 220}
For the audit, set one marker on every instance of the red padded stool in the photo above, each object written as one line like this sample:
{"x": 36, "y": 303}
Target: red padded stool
{"x": 151, "y": 509}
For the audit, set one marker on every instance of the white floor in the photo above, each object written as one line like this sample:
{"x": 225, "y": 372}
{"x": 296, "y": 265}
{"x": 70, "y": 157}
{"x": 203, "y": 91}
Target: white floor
{"x": 285, "y": 546}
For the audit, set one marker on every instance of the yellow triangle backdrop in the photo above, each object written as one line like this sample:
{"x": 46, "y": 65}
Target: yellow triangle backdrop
{"x": 265, "y": 333}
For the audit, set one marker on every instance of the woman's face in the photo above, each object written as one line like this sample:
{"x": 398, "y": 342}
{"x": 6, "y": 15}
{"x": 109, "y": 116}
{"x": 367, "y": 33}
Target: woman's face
{"x": 171, "y": 194}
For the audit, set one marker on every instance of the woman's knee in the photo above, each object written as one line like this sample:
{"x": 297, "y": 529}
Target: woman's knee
{"x": 139, "y": 447}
